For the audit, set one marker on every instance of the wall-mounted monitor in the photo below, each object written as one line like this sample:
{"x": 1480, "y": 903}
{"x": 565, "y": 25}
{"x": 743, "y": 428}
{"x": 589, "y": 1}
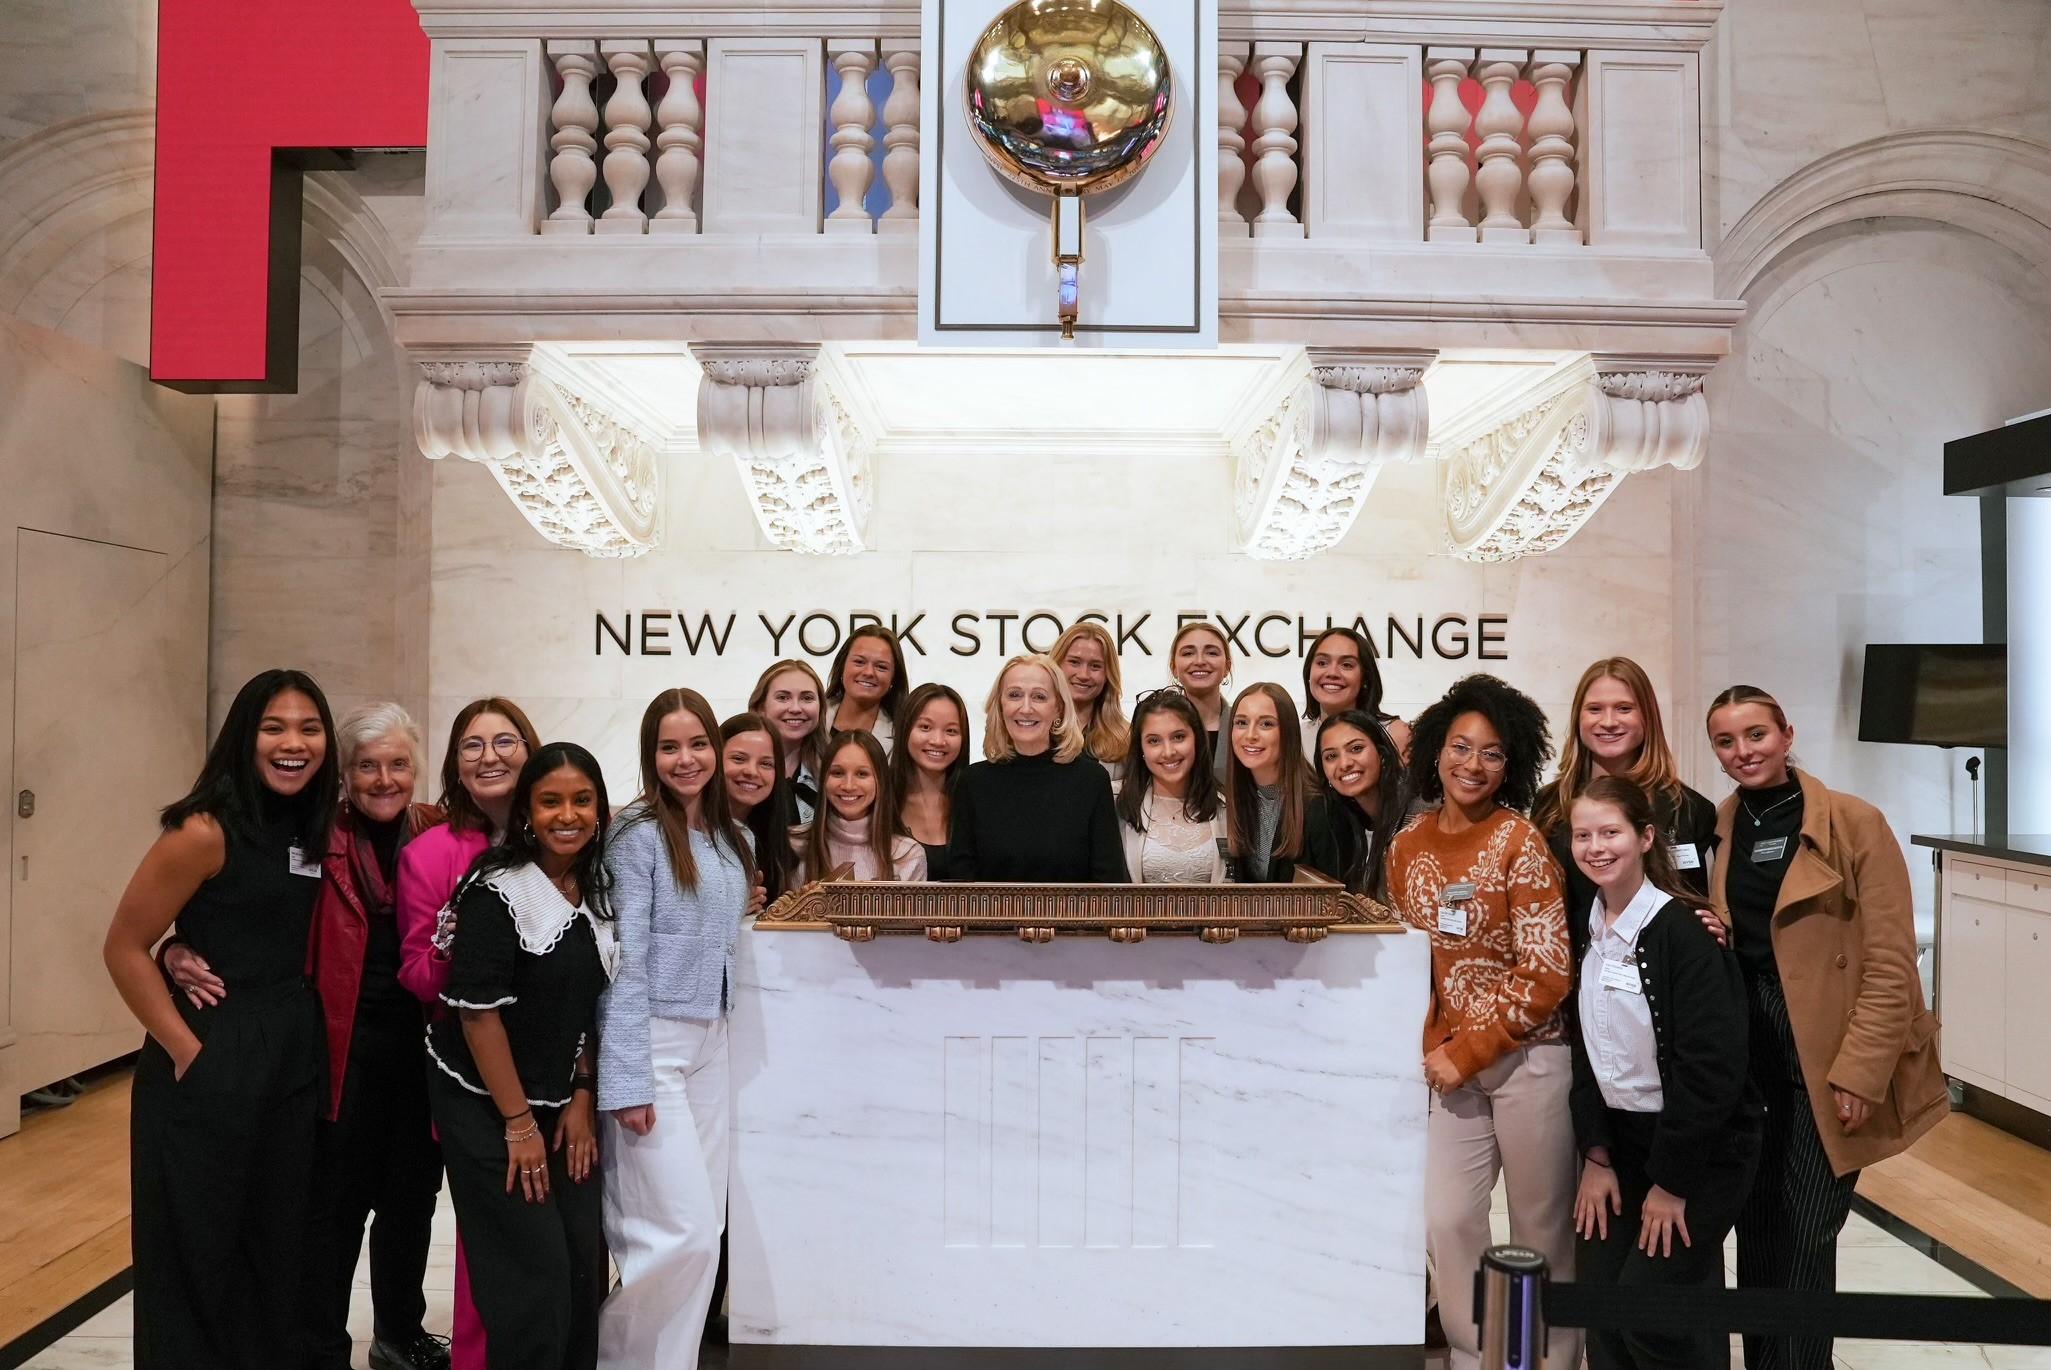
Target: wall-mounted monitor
{"x": 1948, "y": 695}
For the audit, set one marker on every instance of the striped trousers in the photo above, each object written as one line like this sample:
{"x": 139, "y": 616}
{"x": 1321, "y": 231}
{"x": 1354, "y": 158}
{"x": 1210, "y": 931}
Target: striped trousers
{"x": 1788, "y": 1229}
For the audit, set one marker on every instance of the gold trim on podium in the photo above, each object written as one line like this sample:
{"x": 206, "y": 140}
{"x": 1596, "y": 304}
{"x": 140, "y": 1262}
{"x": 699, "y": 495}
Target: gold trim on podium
{"x": 859, "y": 910}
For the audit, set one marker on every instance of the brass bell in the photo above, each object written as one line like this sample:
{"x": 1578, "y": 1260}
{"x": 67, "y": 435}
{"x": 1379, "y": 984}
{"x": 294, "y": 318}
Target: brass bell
{"x": 1068, "y": 98}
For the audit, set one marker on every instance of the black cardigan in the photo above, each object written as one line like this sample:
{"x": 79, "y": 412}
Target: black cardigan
{"x": 1691, "y": 820}
{"x": 1322, "y": 851}
{"x": 1710, "y": 1119}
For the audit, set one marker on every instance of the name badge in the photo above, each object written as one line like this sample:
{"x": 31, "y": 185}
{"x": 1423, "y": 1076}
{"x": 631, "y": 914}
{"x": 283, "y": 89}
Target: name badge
{"x": 1686, "y": 856}
{"x": 1460, "y": 893}
{"x": 296, "y": 862}
{"x": 1621, "y": 975}
{"x": 1768, "y": 849}
{"x": 1452, "y": 921}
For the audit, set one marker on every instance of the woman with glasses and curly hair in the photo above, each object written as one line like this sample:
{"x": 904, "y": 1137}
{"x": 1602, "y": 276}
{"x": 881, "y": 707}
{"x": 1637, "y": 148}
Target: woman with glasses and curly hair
{"x": 1473, "y": 873}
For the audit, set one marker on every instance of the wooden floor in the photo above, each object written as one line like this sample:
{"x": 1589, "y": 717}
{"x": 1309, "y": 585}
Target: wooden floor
{"x": 1978, "y": 1190}
{"x": 63, "y": 1205}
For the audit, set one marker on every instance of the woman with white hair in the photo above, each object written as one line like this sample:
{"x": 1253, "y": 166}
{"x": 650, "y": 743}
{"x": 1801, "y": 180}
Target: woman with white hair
{"x": 1039, "y": 809}
{"x": 374, "y": 1151}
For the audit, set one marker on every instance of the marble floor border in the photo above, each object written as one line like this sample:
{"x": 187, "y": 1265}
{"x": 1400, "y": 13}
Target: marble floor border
{"x": 67, "y": 1319}
{"x": 1958, "y": 1263}
{"x": 757, "y": 1356}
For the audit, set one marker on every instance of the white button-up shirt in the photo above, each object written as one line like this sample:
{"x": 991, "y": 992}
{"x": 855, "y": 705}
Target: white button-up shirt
{"x": 1616, "y": 1025}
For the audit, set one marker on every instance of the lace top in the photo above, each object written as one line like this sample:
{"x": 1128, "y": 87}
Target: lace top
{"x": 1176, "y": 850}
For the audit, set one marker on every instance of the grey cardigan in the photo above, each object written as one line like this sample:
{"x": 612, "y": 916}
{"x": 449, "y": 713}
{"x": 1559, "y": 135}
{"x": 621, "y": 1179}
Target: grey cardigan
{"x": 676, "y": 949}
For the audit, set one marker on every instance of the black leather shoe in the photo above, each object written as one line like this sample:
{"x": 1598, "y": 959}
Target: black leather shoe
{"x": 424, "y": 1352}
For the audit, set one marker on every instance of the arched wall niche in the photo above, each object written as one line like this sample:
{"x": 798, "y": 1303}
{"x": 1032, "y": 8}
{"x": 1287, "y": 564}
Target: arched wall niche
{"x": 1899, "y": 295}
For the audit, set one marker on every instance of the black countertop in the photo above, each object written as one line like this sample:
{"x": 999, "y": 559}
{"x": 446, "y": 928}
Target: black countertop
{"x": 2033, "y": 848}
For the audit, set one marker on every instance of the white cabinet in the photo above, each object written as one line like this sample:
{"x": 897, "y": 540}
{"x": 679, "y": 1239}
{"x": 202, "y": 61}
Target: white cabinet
{"x": 1994, "y": 977}
{"x": 2029, "y": 1009}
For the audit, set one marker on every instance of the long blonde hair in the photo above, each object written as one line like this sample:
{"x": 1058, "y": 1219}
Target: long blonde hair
{"x": 1653, "y": 771}
{"x": 1068, "y": 736}
{"x": 813, "y": 749}
{"x": 1108, "y": 734}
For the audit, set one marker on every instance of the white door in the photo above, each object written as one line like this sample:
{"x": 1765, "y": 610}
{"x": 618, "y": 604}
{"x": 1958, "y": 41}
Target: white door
{"x": 110, "y": 718}
{"x": 1971, "y": 998}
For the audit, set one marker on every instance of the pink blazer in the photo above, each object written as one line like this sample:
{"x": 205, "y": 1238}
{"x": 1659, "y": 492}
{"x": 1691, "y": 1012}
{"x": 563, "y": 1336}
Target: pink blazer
{"x": 429, "y": 867}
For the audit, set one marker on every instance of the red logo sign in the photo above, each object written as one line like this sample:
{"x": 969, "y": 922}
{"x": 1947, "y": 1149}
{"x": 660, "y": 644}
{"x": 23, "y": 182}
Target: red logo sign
{"x": 250, "y": 94}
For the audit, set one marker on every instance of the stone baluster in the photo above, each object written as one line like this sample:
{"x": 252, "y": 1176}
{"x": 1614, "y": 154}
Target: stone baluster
{"x": 627, "y": 117}
{"x": 901, "y": 139}
{"x": 1274, "y": 141}
{"x": 1500, "y": 178}
{"x": 575, "y": 119}
{"x": 853, "y": 111}
{"x": 1552, "y": 148}
{"x": 1451, "y": 166}
{"x": 680, "y": 121}
{"x": 1231, "y": 139}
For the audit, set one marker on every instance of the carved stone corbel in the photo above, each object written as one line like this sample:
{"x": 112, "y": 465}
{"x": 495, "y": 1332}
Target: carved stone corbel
{"x": 1528, "y": 483}
{"x": 780, "y": 413}
{"x": 584, "y": 476}
{"x": 1304, "y": 468}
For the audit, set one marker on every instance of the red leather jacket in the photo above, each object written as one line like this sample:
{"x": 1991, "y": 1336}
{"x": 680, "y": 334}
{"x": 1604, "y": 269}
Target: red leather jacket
{"x": 351, "y": 885}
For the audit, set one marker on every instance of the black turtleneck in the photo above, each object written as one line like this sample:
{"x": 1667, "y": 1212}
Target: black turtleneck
{"x": 1037, "y": 820}
{"x": 381, "y": 949}
{"x": 1764, "y": 837}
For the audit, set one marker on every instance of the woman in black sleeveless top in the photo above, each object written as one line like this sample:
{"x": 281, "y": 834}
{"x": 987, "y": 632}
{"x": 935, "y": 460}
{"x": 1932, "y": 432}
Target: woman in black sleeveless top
{"x": 222, "y": 1120}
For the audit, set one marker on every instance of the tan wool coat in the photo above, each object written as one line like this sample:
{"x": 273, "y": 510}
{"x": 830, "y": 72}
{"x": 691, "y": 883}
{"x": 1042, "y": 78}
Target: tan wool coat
{"x": 1844, "y": 939}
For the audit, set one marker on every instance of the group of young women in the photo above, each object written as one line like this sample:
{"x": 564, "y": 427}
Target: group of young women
{"x": 1655, "y": 1018}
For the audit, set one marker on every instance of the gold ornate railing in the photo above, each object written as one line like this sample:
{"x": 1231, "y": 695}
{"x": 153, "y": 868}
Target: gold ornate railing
{"x": 857, "y": 910}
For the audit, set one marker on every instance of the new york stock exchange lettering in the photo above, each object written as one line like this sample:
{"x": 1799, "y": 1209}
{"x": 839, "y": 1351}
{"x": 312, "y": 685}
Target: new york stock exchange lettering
{"x": 971, "y": 633}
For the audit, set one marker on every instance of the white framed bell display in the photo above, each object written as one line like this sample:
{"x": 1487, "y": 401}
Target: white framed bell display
{"x": 1068, "y": 195}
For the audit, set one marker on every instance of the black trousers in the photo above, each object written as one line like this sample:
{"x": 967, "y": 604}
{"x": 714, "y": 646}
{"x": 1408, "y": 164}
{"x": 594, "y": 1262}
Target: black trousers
{"x": 220, "y": 1165}
{"x": 537, "y": 1271}
{"x": 1787, "y": 1233}
{"x": 377, "y": 1157}
{"x": 1711, "y": 1211}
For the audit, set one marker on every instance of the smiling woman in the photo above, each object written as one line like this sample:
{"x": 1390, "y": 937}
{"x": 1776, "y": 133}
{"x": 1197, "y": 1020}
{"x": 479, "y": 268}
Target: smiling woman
{"x": 868, "y": 683}
{"x": 1038, "y": 808}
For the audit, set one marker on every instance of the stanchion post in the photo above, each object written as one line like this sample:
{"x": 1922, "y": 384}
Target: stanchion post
{"x": 1509, "y": 1308}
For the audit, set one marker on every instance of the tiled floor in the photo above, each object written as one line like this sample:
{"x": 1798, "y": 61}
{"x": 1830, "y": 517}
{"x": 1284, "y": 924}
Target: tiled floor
{"x": 1869, "y": 1260}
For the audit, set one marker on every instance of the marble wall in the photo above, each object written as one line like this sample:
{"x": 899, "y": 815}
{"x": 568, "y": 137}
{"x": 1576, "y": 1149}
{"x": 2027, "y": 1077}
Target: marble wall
{"x": 958, "y": 532}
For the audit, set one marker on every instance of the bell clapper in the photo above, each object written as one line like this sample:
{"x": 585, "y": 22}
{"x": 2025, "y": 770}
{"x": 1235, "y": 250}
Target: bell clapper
{"x": 1068, "y": 223}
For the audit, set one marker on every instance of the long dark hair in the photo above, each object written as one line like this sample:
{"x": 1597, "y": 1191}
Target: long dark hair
{"x": 231, "y": 792}
{"x": 769, "y": 820}
{"x": 903, "y": 769}
{"x": 1201, "y": 794}
{"x": 836, "y": 687}
{"x": 1370, "y": 700}
{"x": 521, "y": 847}
{"x": 658, "y": 803}
{"x": 1631, "y": 800}
{"x": 1364, "y": 862}
{"x": 885, "y": 827}
{"x": 1518, "y": 721}
{"x": 457, "y": 806}
{"x": 1241, "y": 807}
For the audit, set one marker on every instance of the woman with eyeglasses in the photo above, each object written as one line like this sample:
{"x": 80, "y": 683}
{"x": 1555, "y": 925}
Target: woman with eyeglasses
{"x": 1171, "y": 812}
{"x": 489, "y": 741}
{"x": 1476, "y": 876}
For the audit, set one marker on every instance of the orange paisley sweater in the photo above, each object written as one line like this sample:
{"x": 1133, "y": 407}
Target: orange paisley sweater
{"x": 1498, "y": 987}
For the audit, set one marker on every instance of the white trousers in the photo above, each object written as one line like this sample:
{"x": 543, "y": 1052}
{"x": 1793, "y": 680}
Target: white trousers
{"x": 665, "y": 1203}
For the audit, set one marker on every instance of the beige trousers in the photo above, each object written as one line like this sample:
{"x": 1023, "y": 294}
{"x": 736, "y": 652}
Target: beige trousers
{"x": 1511, "y": 1118}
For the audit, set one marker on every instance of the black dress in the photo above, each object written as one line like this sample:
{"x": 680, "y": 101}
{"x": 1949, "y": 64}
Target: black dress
{"x": 221, "y": 1161}
{"x": 1037, "y": 820}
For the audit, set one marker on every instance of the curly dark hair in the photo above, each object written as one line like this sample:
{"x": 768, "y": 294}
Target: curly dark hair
{"x": 1518, "y": 721}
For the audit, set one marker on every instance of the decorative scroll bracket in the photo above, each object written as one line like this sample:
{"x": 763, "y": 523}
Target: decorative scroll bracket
{"x": 781, "y": 412}
{"x": 1529, "y": 482}
{"x": 1303, "y": 469}
{"x": 584, "y": 476}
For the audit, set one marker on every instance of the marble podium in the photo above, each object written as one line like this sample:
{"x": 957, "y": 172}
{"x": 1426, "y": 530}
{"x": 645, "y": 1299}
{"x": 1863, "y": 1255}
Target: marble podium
{"x": 988, "y": 1143}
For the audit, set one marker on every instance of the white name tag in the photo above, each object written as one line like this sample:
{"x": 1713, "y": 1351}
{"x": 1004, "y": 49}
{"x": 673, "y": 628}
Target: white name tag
{"x": 1769, "y": 849}
{"x": 1621, "y": 975}
{"x": 297, "y": 863}
{"x": 1686, "y": 857}
{"x": 1452, "y": 921}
